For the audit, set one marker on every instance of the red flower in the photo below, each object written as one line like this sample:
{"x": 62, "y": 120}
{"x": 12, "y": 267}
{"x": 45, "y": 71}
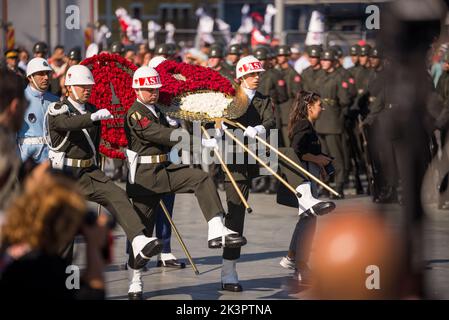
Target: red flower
{"x": 110, "y": 69}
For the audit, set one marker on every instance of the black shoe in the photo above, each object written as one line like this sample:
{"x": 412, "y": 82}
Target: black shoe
{"x": 320, "y": 209}
{"x": 151, "y": 249}
{"x": 232, "y": 240}
{"x": 233, "y": 287}
{"x": 135, "y": 295}
{"x": 172, "y": 263}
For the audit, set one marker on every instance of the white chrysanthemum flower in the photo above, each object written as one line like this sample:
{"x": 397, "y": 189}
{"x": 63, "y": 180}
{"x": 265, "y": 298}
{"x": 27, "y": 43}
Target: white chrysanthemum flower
{"x": 211, "y": 103}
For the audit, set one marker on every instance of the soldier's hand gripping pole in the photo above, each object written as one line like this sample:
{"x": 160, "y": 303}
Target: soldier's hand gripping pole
{"x": 252, "y": 154}
{"x": 283, "y": 156}
{"x": 226, "y": 169}
{"x": 181, "y": 242}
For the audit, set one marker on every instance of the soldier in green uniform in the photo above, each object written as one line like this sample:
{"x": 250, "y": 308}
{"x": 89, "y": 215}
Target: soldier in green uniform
{"x": 74, "y": 137}
{"x": 293, "y": 82}
{"x": 152, "y": 174}
{"x": 361, "y": 77}
{"x": 273, "y": 85}
{"x": 352, "y": 152}
{"x": 354, "y": 52}
{"x": 233, "y": 56}
{"x": 311, "y": 74}
{"x": 216, "y": 62}
{"x": 379, "y": 111}
{"x": 330, "y": 126}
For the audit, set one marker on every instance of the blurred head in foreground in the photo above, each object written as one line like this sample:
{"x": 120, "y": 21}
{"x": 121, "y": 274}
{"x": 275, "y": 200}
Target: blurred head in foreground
{"x": 356, "y": 257}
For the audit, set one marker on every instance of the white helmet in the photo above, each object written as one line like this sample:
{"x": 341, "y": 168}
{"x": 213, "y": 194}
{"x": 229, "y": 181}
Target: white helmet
{"x": 146, "y": 77}
{"x": 79, "y": 75}
{"x": 248, "y": 64}
{"x": 156, "y": 61}
{"x": 37, "y": 65}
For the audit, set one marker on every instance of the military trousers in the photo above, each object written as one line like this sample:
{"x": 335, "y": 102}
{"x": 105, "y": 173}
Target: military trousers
{"x": 236, "y": 209}
{"x": 332, "y": 144}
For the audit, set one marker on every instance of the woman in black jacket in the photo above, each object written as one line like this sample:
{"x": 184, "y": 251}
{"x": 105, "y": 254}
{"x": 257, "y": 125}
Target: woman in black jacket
{"x": 306, "y": 144}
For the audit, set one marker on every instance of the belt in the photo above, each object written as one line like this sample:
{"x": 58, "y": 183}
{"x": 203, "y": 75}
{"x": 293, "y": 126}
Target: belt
{"x": 31, "y": 140}
{"x": 154, "y": 159}
{"x": 79, "y": 163}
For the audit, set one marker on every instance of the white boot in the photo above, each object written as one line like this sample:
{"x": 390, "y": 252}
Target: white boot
{"x": 135, "y": 291}
{"x": 229, "y": 277}
{"x": 309, "y": 205}
{"x": 217, "y": 228}
{"x": 229, "y": 272}
{"x": 144, "y": 248}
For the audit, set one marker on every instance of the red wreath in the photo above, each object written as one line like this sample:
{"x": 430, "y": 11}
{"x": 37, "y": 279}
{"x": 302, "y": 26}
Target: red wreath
{"x": 196, "y": 78}
{"x": 112, "y": 69}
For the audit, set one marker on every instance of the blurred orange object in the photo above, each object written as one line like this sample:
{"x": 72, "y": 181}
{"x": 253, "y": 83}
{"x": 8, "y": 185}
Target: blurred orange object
{"x": 355, "y": 257}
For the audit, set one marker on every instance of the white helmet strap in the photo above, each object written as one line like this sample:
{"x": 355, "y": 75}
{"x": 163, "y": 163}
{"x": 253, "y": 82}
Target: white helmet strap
{"x": 75, "y": 94}
{"x": 35, "y": 84}
{"x": 140, "y": 95}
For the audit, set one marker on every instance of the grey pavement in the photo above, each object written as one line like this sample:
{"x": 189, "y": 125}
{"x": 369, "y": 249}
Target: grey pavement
{"x": 268, "y": 231}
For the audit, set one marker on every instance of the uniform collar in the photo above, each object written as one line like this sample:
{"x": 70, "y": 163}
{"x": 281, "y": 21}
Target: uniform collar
{"x": 78, "y": 106}
{"x": 249, "y": 93}
{"x": 34, "y": 92}
{"x": 150, "y": 107}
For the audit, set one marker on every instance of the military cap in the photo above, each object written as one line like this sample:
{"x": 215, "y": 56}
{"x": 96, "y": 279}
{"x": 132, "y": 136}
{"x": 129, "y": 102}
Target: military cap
{"x": 117, "y": 47}
{"x": 75, "y": 54}
{"x": 171, "y": 49}
{"x": 235, "y": 49}
{"x": 375, "y": 53}
{"x": 314, "y": 51}
{"x": 364, "y": 50}
{"x": 12, "y": 54}
{"x": 338, "y": 51}
{"x": 283, "y": 51}
{"x": 262, "y": 53}
{"x": 328, "y": 54}
{"x": 354, "y": 50}
{"x": 40, "y": 47}
{"x": 216, "y": 51}
{"x": 162, "y": 49}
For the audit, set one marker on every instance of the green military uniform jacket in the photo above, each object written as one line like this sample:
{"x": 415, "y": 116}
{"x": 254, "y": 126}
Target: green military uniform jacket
{"x": 259, "y": 112}
{"x": 348, "y": 77}
{"x": 310, "y": 78}
{"x": 335, "y": 98}
{"x": 77, "y": 145}
{"x": 149, "y": 135}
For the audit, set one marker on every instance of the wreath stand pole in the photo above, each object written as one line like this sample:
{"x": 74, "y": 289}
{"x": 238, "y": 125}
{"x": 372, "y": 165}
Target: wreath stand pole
{"x": 251, "y": 153}
{"x": 226, "y": 169}
{"x": 283, "y": 156}
{"x": 178, "y": 236}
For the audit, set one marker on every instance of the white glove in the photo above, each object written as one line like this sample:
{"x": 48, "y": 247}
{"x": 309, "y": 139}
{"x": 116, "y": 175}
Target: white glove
{"x": 220, "y": 132}
{"x": 209, "y": 143}
{"x": 250, "y": 132}
{"x": 102, "y": 114}
{"x": 260, "y": 129}
{"x": 172, "y": 122}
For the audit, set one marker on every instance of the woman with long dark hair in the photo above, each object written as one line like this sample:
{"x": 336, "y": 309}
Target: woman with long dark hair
{"x": 305, "y": 142}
